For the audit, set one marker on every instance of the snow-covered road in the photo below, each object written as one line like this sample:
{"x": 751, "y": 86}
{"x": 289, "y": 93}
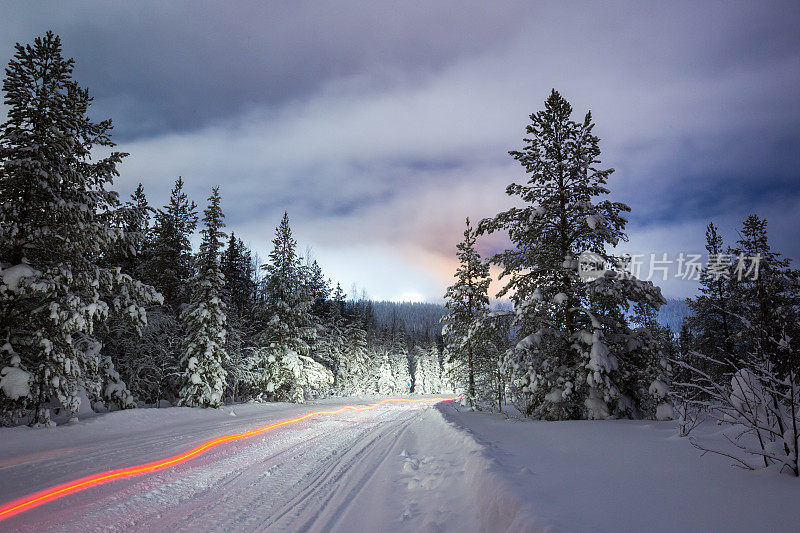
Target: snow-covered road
{"x": 398, "y": 467}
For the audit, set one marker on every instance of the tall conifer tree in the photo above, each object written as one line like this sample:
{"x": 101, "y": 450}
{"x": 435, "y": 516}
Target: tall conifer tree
{"x": 170, "y": 268}
{"x": 577, "y": 358}
{"x": 204, "y": 318}
{"x": 57, "y": 221}
{"x": 712, "y": 321}
{"x": 285, "y": 312}
{"x": 468, "y": 301}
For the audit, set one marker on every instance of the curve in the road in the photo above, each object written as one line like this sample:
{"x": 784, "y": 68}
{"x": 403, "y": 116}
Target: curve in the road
{"x": 59, "y": 491}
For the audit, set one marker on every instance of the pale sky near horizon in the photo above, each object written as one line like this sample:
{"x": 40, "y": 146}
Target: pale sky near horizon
{"x": 380, "y": 126}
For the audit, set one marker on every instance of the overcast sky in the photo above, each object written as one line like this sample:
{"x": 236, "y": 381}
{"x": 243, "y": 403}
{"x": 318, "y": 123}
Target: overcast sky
{"x": 380, "y": 126}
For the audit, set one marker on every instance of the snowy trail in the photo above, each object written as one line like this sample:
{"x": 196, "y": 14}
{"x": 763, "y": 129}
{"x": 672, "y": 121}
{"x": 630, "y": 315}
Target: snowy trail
{"x": 398, "y": 467}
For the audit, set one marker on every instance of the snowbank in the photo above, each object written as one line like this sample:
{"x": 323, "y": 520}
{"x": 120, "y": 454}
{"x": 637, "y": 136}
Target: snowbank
{"x": 618, "y": 475}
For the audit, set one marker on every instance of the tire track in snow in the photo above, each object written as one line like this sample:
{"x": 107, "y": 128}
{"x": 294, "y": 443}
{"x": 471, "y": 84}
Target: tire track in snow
{"x": 370, "y": 455}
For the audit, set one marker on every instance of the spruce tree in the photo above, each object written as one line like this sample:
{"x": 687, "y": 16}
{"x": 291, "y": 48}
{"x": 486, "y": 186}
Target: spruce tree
{"x": 427, "y": 372}
{"x": 136, "y": 219}
{"x": 239, "y": 272}
{"x": 170, "y": 267}
{"x": 757, "y": 390}
{"x": 400, "y": 366}
{"x": 468, "y": 301}
{"x": 330, "y": 346}
{"x": 354, "y": 365}
{"x": 204, "y": 319}
{"x": 339, "y": 299}
{"x": 382, "y": 376}
{"x": 57, "y": 222}
{"x": 712, "y": 320}
{"x": 133, "y": 217}
{"x": 768, "y": 295}
{"x": 146, "y": 360}
{"x": 287, "y": 327}
{"x": 317, "y": 288}
{"x": 574, "y": 359}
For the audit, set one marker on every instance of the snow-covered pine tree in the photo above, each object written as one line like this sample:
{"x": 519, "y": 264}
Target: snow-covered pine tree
{"x": 329, "y": 348}
{"x": 330, "y": 343}
{"x": 494, "y": 383}
{"x": 712, "y": 323}
{"x": 335, "y": 323}
{"x": 56, "y": 224}
{"x": 146, "y": 360}
{"x": 339, "y": 299}
{"x": 239, "y": 272}
{"x": 170, "y": 265}
{"x": 288, "y": 328}
{"x": 134, "y": 219}
{"x": 465, "y": 327}
{"x": 756, "y": 391}
{"x": 574, "y": 360}
{"x": 416, "y": 358}
{"x": 767, "y": 295}
{"x": 204, "y": 320}
{"x": 657, "y": 349}
{"x": 316, "y": 287}
{"x": 354, "y": 365}
{"x": 165, "y": 260}
{"x": 454, "y": 373}
{"x": 239, "y": 296}
{"x": 382, "y": 376}
{"x": 398, "y": 357}
{"x": 433, "y": 370}
{"x": 427, "y": 373}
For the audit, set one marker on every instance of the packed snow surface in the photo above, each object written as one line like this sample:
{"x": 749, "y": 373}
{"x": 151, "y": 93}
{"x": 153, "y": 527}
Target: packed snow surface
{"x": 399, "y": 467}
{"x": 396, "y": 468}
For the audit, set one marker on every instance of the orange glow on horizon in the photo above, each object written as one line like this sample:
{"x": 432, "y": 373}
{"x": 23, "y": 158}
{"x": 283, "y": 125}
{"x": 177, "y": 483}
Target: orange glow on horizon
{"x": 59, "y": 491}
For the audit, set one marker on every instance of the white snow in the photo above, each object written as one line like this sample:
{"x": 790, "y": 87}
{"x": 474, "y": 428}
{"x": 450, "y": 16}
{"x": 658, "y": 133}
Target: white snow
{"x": 13, "y": 275}
{"x": 659, "y": 389}
{"x": 344, "y": 472}
{"x": 664, "y": 411}
{"x": 396, "y": 468}
{"x": 624, "y": 475}
{"x": 15, "y": 382}
{"x": 554, "y": 396}
{"x": 528, "y": 341}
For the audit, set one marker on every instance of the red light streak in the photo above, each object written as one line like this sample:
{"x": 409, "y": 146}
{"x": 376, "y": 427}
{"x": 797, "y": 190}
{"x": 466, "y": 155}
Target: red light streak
{"x": 59, "y": 491}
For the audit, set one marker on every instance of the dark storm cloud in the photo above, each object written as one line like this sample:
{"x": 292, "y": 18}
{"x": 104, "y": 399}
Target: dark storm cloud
{"x": 380, "y": 126}
{"x": 178, "y": 65}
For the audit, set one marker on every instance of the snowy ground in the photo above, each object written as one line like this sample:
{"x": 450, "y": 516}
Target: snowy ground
{"x": 396, "y": 468}
{"x": 625, "y": 475}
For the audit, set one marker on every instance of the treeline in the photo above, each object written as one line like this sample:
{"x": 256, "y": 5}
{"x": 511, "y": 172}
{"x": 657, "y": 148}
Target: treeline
{"x": 417, "y": 318}
{"x": 583, "y": 340}
{"x": 738, "y": 358}
{"x": 251, "y": 331}
{"x": 105, "y": 302}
